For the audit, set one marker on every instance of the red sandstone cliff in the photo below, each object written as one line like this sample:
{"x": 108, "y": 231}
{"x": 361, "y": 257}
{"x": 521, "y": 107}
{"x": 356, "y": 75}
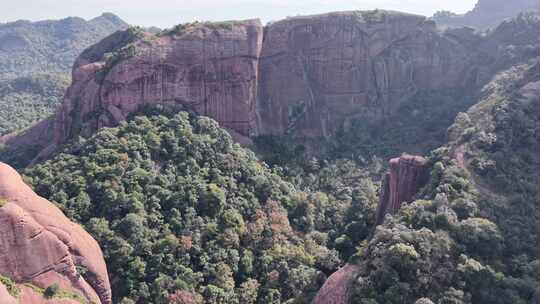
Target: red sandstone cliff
{"x": 309, "y": 75}
{"x": 407, "y": 175}
{"x": 318, "y": 72}
{"x": 40, "y": 246}
{"x": 208, "y": 68}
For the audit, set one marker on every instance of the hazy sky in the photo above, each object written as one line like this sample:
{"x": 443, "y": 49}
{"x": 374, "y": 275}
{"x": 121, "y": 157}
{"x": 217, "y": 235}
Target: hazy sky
{"x": 165, "y": 13}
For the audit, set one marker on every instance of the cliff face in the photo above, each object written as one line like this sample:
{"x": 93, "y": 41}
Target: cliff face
{"x": 208, "y": 68}
{"x": 41, "y": 247}
{"x": 318, "y": 72}
{"x": 311, "y": 74}
{"x": 407, "y": 175}
{"x": 307, "y": 75}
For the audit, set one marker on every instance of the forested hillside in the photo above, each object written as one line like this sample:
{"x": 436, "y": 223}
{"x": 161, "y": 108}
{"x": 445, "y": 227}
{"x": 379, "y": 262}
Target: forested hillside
{"x": 183, "y": 212}
{"x": 50, "y": 46}
{"x": 25, "y": 101}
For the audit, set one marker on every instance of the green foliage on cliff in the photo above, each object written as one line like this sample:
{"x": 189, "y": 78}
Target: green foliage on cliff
{"x": 473, "y": 238}
{"x": 418, "y": 127}
{"x": 11, "y": 286}
{"x": 179, "y": 209}
{"x": 28, "y": 48}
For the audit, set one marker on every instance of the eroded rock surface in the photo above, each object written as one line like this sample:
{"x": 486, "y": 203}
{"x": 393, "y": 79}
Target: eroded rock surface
{"x": 40, "y": 246}
{"x": 336, "y": 290}
{"x": 310, "y": 76}
{"x": 407, "y": 175}
{"x": 208, "y": 68}
{"x": 317, "y": 72}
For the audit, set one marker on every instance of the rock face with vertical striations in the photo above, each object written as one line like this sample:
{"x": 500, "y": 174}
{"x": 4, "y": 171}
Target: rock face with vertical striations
{"x": 41, "y": 247}
{"x": 318, "y": 72}
{"x": 308, "y": 75}
{"x": 407, "y": 175}
{"x": 210, "y": 68}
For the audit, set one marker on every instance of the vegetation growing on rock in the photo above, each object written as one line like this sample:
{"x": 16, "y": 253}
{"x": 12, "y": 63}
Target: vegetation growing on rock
{"x": 180, "y": 209}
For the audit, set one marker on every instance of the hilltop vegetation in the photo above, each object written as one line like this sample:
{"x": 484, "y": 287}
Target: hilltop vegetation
{"x": 26, "y": 100}
{"x": 182, "y": 211}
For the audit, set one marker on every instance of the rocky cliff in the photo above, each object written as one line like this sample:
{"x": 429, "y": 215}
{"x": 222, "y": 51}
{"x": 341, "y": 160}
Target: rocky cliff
{"x": 310, "y": 76}
{"x": 407, "y": 175}
{"x": 319, "y": 72}
{"x": 40, "y": 247}
{"x": 208, "y": 68}
{"x": 51, "y": 46}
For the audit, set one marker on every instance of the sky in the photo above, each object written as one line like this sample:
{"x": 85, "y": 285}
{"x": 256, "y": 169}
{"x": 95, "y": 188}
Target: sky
{"x": 166, "y": 13}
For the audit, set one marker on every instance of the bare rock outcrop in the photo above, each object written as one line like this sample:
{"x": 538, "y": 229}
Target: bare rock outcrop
{"x": 209, "y": 68}
{"x": 407, "y": 175}
{"x": 318, "y": 72}
{"x": 336, "y": 289}
{"x": 41, "y": 247}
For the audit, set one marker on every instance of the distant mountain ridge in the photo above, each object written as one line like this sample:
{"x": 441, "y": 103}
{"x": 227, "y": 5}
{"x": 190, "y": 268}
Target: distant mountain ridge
{"x": 486, "y": 13}
{"x": 39, "y": 55}
{"x": 50, "y": 46}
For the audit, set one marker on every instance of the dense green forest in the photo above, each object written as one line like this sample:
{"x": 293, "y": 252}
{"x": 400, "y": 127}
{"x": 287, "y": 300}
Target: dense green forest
{"x": 35, "y": 64}
{"x": 27, "y": 100}
{"x": 51, "y": 46}
{"x": 180, "y": 210}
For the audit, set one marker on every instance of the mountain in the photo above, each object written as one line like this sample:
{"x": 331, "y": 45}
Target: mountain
{"x": 27, "y": 100}
{"x": 35, "y": 64}
{"x": 28, "y": 48}
{"x": 486, "y": 13}
{"x": 371, "y": 83}
{"x": 334, "y": 72}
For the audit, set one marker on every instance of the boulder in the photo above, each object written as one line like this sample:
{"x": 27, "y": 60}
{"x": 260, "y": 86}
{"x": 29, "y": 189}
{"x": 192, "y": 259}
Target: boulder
{"x": 39, "y": 247}
{"x": 336, "y": 290}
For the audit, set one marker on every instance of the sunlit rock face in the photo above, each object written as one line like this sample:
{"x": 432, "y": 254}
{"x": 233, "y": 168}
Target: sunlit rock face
{"x": 41, "y": 247}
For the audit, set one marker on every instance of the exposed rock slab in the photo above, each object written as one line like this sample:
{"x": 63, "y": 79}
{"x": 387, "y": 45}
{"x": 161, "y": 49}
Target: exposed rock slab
{"x": 318, "y": 72}
{"x": 407, "y": 175}
{"x": 39, "y": 245}
{"x": 210, "y": 69}
{"x": 336, "y": 290}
